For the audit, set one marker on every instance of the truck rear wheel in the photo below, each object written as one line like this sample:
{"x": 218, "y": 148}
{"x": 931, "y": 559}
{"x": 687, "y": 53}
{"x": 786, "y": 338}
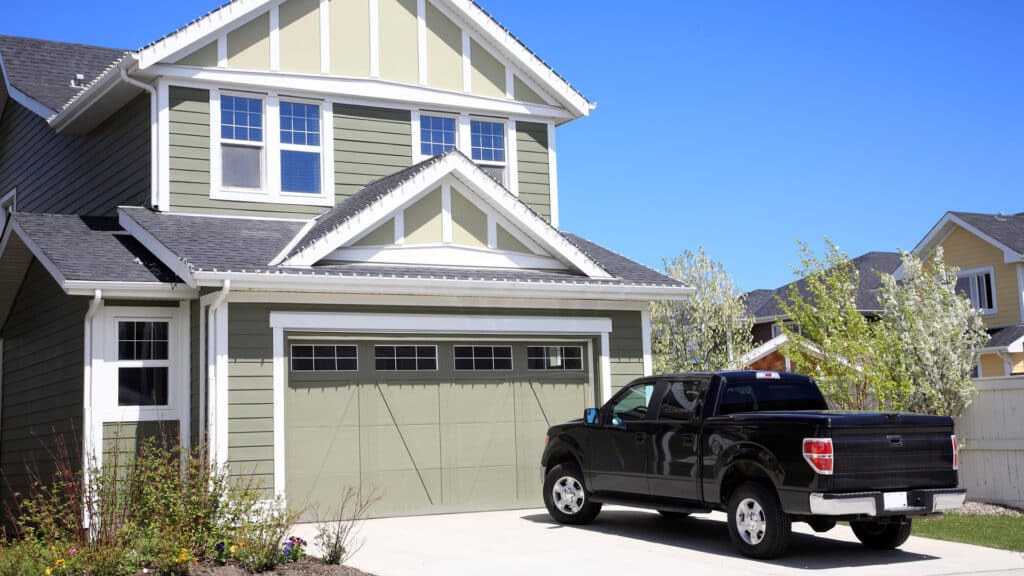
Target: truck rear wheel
{"x": 757, "y": 525}
{"x": 565, "y": 497}
{"x": 883, "y": 534}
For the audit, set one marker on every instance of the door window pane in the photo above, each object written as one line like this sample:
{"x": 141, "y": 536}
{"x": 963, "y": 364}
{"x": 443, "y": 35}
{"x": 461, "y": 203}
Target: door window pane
{"x": 632, "y": 405}
{"x": 681, "y": 400}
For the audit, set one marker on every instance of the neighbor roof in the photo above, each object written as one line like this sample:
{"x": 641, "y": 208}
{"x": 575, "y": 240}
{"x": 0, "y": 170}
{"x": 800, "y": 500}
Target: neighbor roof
{"x": 225, "y": 244}
{"x": 90, "y": 248}
{"x": 1004, "y": 337}
{"x": 1005, "y": 229}
{"x": 43, "y": 69}
{"x": 764, "y": 305}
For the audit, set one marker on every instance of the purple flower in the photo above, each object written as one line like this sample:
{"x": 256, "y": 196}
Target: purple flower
{"x": 288, "y": 551}
{"x": 219, "y": 547}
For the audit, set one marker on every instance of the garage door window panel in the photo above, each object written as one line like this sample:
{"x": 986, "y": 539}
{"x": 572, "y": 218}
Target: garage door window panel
{"x": 485, "y": 358}
{"x": 324, "y": 358}
{"x": 554, "y": 358}
{"x": 405, "y": 358}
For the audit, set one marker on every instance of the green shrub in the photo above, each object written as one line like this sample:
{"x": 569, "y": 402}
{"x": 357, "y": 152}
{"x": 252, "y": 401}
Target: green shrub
{"x": 336, "y": 532}
{"x": 260, "y": 537}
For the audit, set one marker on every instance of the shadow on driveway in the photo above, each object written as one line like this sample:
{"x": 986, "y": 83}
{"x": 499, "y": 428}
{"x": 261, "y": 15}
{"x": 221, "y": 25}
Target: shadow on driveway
{"x": 703, "y": 534}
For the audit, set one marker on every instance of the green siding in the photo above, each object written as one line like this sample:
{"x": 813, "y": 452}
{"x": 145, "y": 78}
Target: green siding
{"x": 534, "y": 171}
{"x": 369, "y": 143}
{"x": 42, "y": 380}
{"x": 122, "y": 441}
{"x": 250, "y": 370}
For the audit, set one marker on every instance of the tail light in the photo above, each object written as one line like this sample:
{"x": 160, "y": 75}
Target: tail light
{"x": 956, "y": 453}
{"x": 818, "y": 453}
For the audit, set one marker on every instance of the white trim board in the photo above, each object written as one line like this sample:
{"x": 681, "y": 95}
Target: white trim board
{"x": 149, "y": 242}
{"x": 281, "y": 322}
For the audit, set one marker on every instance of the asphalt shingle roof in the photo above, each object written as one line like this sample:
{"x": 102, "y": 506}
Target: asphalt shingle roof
{"x": 764, "y": 303}
{"x": 211, "y": 243}
{"x": 1000, "y": 337}
{"x": 43, "y": 69}
{"x": 92, "y": 248}
{"x": 1007, "y": 229}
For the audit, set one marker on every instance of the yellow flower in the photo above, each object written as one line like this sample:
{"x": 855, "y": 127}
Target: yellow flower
{"x": 234, "y": 548}
{"x": 49, "y": 571}
{"x": 60, "y": 562}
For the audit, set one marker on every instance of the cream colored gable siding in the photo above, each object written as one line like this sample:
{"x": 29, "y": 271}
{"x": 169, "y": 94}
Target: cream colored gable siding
{"x": 488, "y": 72}
{"x": 1017, "y": 362}
{"x": 383, "y": 235}
{"x": 249, "y": 45}
{"x": 444, "y": 51}
{"x": 992, "y": 365}
{"x": 524, "y": 93}
{"x": 469, "y": 223}
{"x": 399, "y": 52}
{"x": 350, "y": 37}
{"x": 205, "y": 57}
{"x": 423, "y": 220}
{"x": 300, "y": 36}
{"x": 966, "y": 251}
{"x": 509, "y": 242}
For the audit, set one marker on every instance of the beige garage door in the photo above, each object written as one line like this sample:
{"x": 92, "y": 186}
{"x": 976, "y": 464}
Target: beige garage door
{"x": 429, "y": 438}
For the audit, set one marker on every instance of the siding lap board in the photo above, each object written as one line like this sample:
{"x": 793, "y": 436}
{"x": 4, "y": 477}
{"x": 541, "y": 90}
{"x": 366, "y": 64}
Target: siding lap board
{"x": 369, "y": 144}
{"x": 534, "y": 171}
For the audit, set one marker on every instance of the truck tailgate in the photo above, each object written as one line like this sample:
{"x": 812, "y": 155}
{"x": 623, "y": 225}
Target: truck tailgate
{"x": 891, "y": 452}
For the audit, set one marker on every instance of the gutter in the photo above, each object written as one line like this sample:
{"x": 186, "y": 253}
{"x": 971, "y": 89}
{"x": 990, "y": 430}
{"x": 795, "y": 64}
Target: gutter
{"x": 88, "y": 442}
{"x": 154, "y": 136}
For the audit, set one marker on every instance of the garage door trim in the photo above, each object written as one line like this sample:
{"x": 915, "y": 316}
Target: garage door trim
{"x": 281, "y": 321}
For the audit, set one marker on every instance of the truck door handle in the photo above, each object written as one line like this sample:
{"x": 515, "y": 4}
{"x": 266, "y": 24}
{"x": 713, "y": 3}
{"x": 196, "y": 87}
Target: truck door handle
{"x": 640, "y": 437}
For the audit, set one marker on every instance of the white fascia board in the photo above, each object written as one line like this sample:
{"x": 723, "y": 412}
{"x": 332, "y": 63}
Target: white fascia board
{"x": 22, "y": 98}
{"x": 95, "y": 91}
{"x": 374, "y": 89}
{"x": 941, "y": 229}
{"x": 131, "y": 290}
{"x": 184, "y": 40}
{"x": 764, "y": 349}
{"x": 155, "y": 247}
{"x": 432, "y": 300}
{"x": 454, "y": 254}
{"x": 438, "y": 323}
{"x": 520, "y": 54}
{"x": 58, "y": 276}
{"x": 276, "y": 282}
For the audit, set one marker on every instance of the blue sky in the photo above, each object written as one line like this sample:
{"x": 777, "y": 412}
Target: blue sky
{"x": 740, "y": 125}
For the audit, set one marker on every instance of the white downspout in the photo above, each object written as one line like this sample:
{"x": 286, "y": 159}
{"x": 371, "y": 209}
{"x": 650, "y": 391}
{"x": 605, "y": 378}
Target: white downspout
{"x": 154, "y": 135}
{"x": 88, "y": 442}
{"x": 216, "y": 405}
{"x": 1007, "y": 361}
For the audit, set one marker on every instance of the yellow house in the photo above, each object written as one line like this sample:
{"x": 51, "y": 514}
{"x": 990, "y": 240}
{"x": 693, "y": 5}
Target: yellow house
{"x": 989, "y": 251}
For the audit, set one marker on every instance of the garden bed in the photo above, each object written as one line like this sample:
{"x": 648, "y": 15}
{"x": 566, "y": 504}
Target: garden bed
{"x": 304, "y": 567}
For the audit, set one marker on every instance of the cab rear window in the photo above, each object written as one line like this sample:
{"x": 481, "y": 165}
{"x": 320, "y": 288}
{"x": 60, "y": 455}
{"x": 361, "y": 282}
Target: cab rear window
{"x": 770, "y": 395}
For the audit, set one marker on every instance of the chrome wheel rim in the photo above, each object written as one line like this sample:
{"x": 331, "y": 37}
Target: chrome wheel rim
{"x": 567, "y": 495}
{"x": 750, "y": 522}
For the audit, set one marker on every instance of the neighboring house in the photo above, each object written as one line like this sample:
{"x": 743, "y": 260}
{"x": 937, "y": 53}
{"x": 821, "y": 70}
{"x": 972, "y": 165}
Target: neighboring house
{"x": 765, "y": 307}
{"x": 989, "y": 251}
{"x": 323, "y": 236}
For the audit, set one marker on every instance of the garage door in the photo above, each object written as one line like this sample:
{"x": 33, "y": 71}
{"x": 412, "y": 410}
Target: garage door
{"x": 432, "y": 426}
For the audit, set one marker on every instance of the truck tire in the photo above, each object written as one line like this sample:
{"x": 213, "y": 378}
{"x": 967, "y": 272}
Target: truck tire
{"x": 883, "y": 535}
{"x": 757, "y": 525}
{"x": 566, "y": 498}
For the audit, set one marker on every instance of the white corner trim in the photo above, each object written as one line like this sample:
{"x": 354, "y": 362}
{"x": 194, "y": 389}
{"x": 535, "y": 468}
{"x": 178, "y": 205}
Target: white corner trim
{"x": 150, "y": 242}
{"x": 606, "y": 368}
{"x": 325, "y": 36}
{"x": 279, "y": 413}
{"x": 421, "y": 39}
{"x": 162, "y": 149}
{"x": 438, "y": 323}
{"x": 374, "y": 38}
{"x": 645, "y": 341}
{"x": 1020, "y": 290}
{"x": 512, "y": 155}
{"x": 217, "y": 373}
{"x": 553, "y": 174}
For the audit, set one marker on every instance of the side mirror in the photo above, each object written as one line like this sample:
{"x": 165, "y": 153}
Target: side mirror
{"x": 590, "y": 417}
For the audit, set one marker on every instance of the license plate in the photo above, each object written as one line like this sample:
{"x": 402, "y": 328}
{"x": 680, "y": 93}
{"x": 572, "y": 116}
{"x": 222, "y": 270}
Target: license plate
{"x": 895, "y": 500}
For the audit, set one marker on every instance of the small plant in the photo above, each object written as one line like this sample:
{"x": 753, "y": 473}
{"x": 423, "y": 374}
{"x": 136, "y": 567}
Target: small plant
{"x": 337, "y": 531}
{"x": 293, "y": 550}
{"x": 260, "y": 537}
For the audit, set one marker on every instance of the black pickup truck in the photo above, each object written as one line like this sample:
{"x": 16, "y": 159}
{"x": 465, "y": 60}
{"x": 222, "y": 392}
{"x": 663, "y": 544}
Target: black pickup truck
{"x": 761, "y": 446}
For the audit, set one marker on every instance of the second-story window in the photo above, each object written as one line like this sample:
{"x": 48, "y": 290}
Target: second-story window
{"x": 241, "y": 132}
{"x": 300, "y": 147}
{"x": 488, "y": 147}
{"x": 977, "y": 287}
{"x": 437, "y": 135}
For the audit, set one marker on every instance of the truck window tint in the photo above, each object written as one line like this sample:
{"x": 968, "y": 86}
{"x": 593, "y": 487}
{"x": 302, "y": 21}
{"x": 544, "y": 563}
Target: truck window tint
{"x": 633, "y": 404}
{"x": 681, "y": 400}
{"x": 766, "y": 396}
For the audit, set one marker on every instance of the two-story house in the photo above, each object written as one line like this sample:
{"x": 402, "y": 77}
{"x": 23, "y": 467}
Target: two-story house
{"x": 989, "y": 251}
{"x": 321, "y": 236}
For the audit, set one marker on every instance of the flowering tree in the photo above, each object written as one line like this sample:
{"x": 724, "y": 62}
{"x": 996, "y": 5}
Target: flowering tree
{"x": 933, "y": 337}
{"x": 708, "y": 331}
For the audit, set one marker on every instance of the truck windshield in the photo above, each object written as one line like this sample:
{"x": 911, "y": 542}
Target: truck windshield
{"x": 770, "y": 395}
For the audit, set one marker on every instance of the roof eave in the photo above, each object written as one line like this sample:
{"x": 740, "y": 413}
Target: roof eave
{"x": 79, "y": 106}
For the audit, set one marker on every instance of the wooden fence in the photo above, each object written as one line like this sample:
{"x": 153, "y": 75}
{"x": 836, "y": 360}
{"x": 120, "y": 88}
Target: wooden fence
{"x": 992, "y": 461}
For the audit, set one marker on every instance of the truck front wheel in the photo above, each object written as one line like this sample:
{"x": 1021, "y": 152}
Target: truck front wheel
{"x": 757, "y": 525}
{"x": 566, "y": 499}
{"x": 883, "y": 534}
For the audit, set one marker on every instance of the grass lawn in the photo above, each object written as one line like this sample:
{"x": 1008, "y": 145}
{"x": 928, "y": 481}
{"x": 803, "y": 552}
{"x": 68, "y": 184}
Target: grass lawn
{"x": 1006, "y": 532}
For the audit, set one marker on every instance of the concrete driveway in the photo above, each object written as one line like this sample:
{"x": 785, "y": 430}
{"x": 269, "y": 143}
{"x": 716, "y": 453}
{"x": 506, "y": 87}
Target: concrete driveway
{"x": 628, "y": 541}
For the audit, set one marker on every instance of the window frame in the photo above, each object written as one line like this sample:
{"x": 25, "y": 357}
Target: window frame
{"x": 270, "y": 169}
{"x": 315, "y": 370}
{"x": 562, "y": 348}
{"x": 456, "y": 358}
{"x": 504, "y": 122}
{"x": 972, "y": 274}
{"x": 418, "y": 147}
{"x": 437, "y": 359}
